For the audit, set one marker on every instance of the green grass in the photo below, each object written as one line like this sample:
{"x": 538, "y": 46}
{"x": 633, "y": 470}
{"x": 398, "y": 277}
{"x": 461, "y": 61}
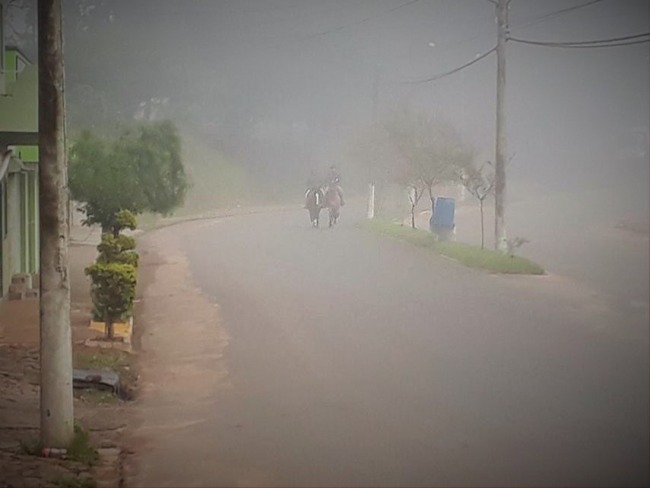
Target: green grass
{"x": 80, "y": 448}
{"x": 475, "y": 257}
{"x": 115, "y": 360}
{"x": 70, "y": 482}
{"x": 414, "y": 236}
{"x": 31, "y": 447}
{"x": 97, "y": 396}
{"x": 110, "y": 359}
{"x": 468, "y": 255}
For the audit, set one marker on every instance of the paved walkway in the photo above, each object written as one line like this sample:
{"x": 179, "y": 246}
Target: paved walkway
{"x": 19, "y": 384}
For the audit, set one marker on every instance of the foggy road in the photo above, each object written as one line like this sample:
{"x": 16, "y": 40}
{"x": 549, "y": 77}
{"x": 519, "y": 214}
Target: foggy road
{"x": 353, "y": 359}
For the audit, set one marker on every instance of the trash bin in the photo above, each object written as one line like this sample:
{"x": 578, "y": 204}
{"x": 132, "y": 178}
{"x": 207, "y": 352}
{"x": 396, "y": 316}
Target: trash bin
{"x": 442, "y": 218}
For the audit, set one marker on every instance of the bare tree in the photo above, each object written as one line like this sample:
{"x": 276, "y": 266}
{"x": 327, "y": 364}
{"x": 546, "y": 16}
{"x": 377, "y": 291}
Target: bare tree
{"x": 480, "y": 183}
{"x": 431, "y": 152}
{"x": 415, "y": 194}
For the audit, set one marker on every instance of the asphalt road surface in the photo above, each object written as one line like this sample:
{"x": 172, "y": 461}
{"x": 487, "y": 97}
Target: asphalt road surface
{"x": 357, "y": 360}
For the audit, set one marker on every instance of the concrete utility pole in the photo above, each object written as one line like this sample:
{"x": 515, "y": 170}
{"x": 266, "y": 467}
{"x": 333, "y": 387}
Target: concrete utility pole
{"x": 500, "y": 237}
{"x": 375, "y": 105}
{"x": 56, "y": 344}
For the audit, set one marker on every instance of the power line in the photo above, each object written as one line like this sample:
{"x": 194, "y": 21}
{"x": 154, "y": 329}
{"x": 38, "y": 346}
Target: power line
{"x": 592, "y": 46}
{"x": 601, "y": 41}
{"x": 455, "y": 70}
{"x": 611, "y": 42}
{"x": 557, "y": 13}
{"x": 533, "y": 21}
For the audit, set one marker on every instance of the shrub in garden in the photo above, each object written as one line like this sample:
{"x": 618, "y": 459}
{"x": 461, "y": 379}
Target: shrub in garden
{"x": 114, "y": 274}
{"x": 113, "y": 292}
{"x": 120, "y": 249}
{"x": 124, "y": 219}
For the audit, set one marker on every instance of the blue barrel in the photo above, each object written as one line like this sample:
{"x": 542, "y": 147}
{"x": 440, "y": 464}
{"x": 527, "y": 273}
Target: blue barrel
{"x": 443, "y": 213}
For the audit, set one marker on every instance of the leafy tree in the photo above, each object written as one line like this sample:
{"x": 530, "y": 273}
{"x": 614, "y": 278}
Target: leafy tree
{"x": 103, "y": 183}
{"x": 154, "y": 150}
{"x": 480, "y": 183}
{"x": 140, "y": 171}
{"x": 431, "y": 152}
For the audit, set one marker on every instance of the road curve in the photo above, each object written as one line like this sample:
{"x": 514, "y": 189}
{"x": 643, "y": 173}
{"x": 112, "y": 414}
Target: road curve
{"x": 353, "y": 359}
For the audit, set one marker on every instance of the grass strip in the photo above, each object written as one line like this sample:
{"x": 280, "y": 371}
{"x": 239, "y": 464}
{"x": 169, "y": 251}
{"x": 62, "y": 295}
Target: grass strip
{"x": 466, "y": 254}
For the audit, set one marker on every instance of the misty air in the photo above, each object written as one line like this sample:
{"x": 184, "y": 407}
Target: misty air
{"x": 324, "y": 243}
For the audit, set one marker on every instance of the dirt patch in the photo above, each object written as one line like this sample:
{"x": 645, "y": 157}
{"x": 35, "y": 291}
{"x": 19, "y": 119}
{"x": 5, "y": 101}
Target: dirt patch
{"x": 20, "y": 421}
{"x": 179, "y": 346}
{"x": 108, "y": 359}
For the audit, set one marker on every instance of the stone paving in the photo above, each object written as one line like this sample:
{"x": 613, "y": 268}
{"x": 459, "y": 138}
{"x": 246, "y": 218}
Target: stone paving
{"x": 19, "y": 401}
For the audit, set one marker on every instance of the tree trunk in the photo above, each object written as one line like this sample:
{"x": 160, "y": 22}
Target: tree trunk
{"x": 110, "y": 335}
{"x": 482, "y": 225}
{"x": 413, "y": 216}
{"x": 55, "y": 334}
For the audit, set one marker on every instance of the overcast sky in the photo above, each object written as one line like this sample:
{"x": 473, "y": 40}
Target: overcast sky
{"x": 310, "y": 65}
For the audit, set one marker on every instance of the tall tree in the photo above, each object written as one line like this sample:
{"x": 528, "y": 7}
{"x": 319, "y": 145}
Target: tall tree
{"x": 56, "y": 344}
{"x": 480, "y": 183}
{"x": 102, "y": 181}
{"x": 431, "y": 151}
{"x": 153, "y": 150}
{"x": 139, "y": 171}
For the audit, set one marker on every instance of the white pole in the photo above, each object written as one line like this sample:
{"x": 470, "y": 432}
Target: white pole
{"x": 371, "y": 201}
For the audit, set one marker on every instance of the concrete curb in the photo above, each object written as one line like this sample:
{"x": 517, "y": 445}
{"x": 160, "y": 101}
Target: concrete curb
{"x": 163, "y": 223}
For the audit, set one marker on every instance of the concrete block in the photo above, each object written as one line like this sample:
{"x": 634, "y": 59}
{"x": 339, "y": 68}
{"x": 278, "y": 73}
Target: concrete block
{"x": 23, "y": 279}
{"x": 32, "y": 293}
{"x": 36, "y": 280}
{"x": 16, "y": 292}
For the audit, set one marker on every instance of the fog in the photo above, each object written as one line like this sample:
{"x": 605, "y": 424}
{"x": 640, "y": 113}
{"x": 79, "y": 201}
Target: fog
{"x": 267, "y": 92}
{"x": 274, "y": 352}
{"x": 302, "y": 75}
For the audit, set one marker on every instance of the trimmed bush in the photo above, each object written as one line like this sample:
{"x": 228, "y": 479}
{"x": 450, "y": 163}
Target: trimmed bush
{"x": 114, "y": 273}
{"x": 120, "y": 249}
{"x": 112, "y": 291}
{"x": 124, "y": 219}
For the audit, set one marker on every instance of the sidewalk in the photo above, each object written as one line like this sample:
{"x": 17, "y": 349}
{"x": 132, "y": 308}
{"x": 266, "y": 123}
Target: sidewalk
{"x": 19, "y": 383}
{"x": 19, "y": 323}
